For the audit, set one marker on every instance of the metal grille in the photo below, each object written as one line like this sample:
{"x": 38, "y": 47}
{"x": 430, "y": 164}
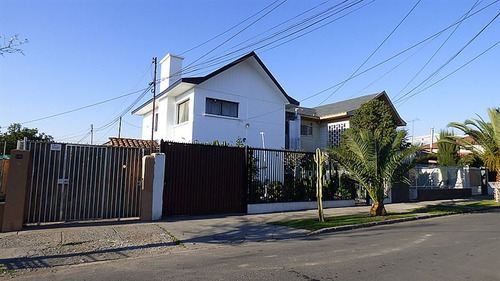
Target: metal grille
{"x": 335, "y": 131}
{"x": 81, "y": 182}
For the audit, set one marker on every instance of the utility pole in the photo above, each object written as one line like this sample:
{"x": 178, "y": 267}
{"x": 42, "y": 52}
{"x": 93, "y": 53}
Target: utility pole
{"x": 91, "y": 133}
{"x": 413, "y": 129}
{"x": 120, "y": 127}
{"x": 154, "y": 101}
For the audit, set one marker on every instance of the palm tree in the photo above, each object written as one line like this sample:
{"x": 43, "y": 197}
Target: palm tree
{"x": 485, "y": 142}
{"x": 375, "y": 162}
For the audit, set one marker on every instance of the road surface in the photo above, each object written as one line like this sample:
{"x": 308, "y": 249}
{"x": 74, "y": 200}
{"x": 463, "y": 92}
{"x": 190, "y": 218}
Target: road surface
{"x": 457, "y": 247}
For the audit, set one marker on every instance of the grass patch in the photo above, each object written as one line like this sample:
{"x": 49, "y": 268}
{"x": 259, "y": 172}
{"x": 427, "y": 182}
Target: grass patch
{"x": 314, "y": 224}
{"x": 457, "y": 208}
{"x": 3, "y": 270}
{"x": 73, "y": 243}
{"x": 481, "y": 204}
{"x": 175, "y": 240}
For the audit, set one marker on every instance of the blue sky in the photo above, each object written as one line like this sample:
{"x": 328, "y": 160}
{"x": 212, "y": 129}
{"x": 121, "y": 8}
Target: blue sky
{"x": 84, "y": 52}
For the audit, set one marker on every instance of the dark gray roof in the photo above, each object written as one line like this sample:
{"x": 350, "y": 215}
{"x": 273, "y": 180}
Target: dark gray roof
{"x": 348, "y": 107}
{"x": 343, "y": 106}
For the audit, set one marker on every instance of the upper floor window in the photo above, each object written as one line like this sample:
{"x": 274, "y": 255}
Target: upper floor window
{"x": 221, "y": 107}
{"x": 306, "y": 129}
{"x": 183, "y": 112}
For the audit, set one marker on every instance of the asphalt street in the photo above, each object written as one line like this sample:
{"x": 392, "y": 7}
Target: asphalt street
{"x": 457, "y": 247}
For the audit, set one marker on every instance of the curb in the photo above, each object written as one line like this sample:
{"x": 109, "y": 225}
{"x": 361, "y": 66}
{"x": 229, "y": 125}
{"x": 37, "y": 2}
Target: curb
{"x": 370, "y": 224}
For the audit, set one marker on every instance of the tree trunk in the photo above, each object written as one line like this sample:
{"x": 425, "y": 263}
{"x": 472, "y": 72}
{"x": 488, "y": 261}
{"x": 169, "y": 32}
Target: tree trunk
{"x": 378, "y": 209}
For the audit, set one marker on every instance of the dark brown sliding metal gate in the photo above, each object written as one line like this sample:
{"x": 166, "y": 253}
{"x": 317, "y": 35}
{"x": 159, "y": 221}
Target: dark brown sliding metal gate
{"x": 81, "y": 182}
{"x": 204, "y": 179}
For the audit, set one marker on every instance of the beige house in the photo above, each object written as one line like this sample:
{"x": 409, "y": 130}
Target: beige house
{"x": 322, "y": 126}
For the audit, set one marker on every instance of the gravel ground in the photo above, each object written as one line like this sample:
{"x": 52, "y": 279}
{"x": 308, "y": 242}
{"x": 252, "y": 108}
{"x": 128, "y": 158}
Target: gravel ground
{"x": 80, "y": 244}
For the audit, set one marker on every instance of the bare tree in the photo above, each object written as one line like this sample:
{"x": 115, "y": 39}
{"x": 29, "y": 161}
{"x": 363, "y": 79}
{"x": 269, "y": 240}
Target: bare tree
{"x": 12, "y": 45}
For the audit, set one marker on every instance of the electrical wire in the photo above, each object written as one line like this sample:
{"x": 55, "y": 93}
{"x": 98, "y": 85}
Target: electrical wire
{"x": 373, "y": 53}
{"x": 402, "y": 52}
{"x": 217, "y": 61}
{"x": 81, "y": 108}
{"x": 451, "y": 73}
{"x": 227, "y": 30}
{"x": 450, "y": 59}
{"x": 437, "y": 51}
{"x": 239, "y": 32}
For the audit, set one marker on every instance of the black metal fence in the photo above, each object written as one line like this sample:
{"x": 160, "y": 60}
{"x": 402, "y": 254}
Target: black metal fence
{"x": 289, "y": 176}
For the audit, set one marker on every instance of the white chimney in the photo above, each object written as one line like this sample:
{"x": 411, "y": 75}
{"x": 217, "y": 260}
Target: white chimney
{"x": 171, "y": 70}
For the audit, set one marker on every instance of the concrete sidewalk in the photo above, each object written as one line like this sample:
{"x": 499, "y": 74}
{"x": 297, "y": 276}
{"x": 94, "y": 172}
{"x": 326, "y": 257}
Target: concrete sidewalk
{"x": 66, "y": 244}
{"x": 196, "y": 232}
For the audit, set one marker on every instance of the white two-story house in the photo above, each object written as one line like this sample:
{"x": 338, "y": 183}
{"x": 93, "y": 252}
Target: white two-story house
{"x": 244, "y": 101}
{"x": 241, "y": 100}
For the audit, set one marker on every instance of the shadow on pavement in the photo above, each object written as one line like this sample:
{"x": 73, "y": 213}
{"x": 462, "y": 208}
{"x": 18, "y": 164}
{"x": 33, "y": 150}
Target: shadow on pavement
{"x": 74, "y": 258}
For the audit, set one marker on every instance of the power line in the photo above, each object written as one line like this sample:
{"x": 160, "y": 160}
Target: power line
{"x": 304, "y": 21}
{"x": 451, "y": 58}
{"x": 218, "y": 60}
{"x": 227, "y": 30}
{"x": 451, "y": 73}
{"x": 373, "y": 53}
{"x": 239, "y": 32}
{"x": 437, "y": 34}
{"x": 318, "y": 27}
{"x": 81, "y": 108}
{"x": 148, "y": 67}
{"x": 116, "y": 119}
{"x": 435, "y": 53}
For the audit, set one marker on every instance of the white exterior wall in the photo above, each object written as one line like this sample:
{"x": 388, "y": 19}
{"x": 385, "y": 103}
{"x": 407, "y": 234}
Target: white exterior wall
{"x": 294, "y": 133}
{"x": 261, "y": 108}
{"x": 310, "y": 143}
{"x": 182, "y": 132}
{"x": 168, "y": 130}
{"x": 295, "y": 206}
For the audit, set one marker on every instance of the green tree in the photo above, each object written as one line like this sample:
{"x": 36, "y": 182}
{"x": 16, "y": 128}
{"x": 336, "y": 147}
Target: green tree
{"x": 485, "y": 142}
{"x": 15, "y": 132}
{"x": 447, "y": 149}
{"x": 374, "y": 116}
{"x": 375, "y": 161}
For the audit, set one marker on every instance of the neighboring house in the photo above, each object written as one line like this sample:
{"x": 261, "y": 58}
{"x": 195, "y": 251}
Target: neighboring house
{"x": 128, "y": 142}
{"x": 241, "y": 100}
{"x": 322, "y": 126}
{"x": 244, "y": 101}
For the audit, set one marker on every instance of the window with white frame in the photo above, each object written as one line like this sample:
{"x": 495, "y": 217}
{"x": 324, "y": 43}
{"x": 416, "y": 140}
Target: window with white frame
{"x": 183, "y": 112}
{"x": 221, "y": 107}
{"x": 306, "y": 129}
{"x": 335, "y": 131}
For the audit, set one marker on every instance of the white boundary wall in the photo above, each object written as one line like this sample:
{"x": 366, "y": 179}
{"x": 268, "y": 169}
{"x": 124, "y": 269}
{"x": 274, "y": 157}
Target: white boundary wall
{"x": 159, "y": 175}
{"x": 295, "y": 206}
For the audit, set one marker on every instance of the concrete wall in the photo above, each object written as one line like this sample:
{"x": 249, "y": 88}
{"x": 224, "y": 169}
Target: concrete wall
{"x": 456, "y": 177}
{"x": 153, "y": 172}
{"x": 307, "y": 142}
{"x": 294, "y": 206}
